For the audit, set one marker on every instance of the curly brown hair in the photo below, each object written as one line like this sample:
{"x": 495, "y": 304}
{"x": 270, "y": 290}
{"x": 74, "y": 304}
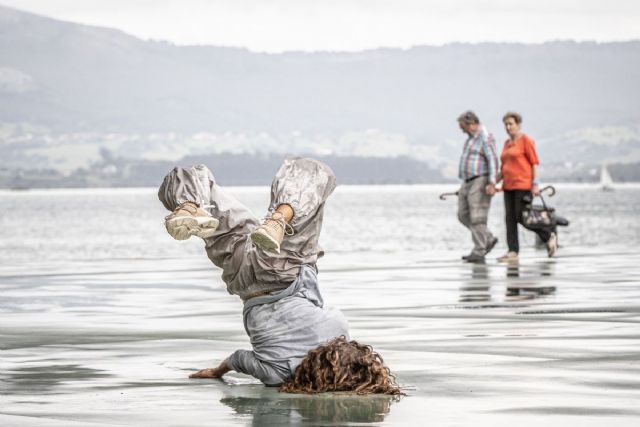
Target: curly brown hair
{"x": 342, "y": 365}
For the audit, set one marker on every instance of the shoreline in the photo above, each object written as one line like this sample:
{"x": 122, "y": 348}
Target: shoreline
{"x": 358, "y": 187}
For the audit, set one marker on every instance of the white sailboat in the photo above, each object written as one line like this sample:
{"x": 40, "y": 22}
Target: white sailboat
{"x": 606, "y": 183}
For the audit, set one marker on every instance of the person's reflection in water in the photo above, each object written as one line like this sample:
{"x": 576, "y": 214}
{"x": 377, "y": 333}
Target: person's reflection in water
{"x": 533, "y": 285}
{"x": 478, "y": 288}
{"x": 513, "y": 270}
{"x": 522, "y": 282}
{"x": 546, "y": 268}
{"x": 329, "y": 409}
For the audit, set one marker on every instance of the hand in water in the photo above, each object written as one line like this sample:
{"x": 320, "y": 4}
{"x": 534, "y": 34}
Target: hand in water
{"x": 206, "y": 373}
{"x": 212, "y": 372}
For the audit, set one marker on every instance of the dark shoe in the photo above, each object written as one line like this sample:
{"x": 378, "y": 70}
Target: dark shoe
{"x": 475, "y": 258}
{"x": 464, "y": 257}
{"x": 491, "y": 245}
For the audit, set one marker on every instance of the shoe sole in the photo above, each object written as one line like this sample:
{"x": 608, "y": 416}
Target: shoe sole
{"x": 265, "y": 242}
{"x": 183, "y": 227}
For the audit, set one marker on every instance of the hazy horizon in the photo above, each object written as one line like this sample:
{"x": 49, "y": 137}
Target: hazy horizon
{"x": 78, "y": 98}
{"x": 350, "y": 25}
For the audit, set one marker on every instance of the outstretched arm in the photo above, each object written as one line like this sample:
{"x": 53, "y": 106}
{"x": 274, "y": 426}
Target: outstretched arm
{"x": 218, "y": 372}
{"x": 245, "y": 362}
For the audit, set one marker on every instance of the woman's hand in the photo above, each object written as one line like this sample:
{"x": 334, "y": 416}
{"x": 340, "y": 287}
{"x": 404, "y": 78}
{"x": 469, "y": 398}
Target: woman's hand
{"x": 535, "y": 190}
{"x": 218, "y": 372}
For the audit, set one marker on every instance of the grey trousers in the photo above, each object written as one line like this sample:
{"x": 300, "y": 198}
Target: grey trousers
{"x": 304, "y": 184}
{"x": 473, "y": 212}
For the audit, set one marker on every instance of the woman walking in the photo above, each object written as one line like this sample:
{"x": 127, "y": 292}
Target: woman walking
{"x": 518, "y": 173}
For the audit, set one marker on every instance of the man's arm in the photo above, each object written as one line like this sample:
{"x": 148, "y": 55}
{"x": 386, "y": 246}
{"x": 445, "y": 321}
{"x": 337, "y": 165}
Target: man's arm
{"x": 489, "y": 149}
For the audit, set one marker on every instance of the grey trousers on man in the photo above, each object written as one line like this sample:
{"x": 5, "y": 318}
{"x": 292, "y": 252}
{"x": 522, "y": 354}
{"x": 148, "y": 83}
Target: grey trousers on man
{"x": 473, "y": 212}
{"x": 304, "y": 184}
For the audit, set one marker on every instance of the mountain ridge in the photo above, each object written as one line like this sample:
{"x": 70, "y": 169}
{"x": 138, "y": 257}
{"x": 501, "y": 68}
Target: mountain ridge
{"x": 92, "y": 78}
{"x": 68, "y": 91}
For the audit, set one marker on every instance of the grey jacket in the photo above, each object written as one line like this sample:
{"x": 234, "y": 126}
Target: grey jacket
{"x": 284, "y": 326}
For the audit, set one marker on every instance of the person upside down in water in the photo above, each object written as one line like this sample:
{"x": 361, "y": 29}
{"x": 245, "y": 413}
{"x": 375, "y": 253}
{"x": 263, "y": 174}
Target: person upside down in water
{"x": 298, "y": 344}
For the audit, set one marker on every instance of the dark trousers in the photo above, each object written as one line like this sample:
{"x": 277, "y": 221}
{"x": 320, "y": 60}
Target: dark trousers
{"x": 513, "y": 206}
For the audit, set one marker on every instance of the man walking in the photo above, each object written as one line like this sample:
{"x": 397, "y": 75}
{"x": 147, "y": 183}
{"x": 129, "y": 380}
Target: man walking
{"x": 478, "y": 167}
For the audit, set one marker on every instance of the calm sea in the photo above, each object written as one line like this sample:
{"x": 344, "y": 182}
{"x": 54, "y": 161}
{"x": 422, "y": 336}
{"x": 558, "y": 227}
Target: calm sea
{"x": 395, "y": 221}
{"x": 103, "y": 315}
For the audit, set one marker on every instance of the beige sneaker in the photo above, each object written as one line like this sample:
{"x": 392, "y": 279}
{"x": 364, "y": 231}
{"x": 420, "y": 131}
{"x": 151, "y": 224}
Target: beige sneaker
{"x": 509, "y": 257}
{"x": 552, "y": 245}
{"x": 269, "y": 235}
{"x": 189, "y": 220}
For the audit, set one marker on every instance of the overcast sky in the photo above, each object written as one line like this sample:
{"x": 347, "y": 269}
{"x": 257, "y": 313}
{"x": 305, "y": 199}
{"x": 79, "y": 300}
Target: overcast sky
{"x": 348, "y": 25}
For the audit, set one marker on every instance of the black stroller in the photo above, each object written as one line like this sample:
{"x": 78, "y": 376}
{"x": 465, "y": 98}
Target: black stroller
{"x": 534, "y": 216}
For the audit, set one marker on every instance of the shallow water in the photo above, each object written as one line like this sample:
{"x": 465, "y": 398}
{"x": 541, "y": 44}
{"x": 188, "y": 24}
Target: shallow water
{"x": 101, "y": 320}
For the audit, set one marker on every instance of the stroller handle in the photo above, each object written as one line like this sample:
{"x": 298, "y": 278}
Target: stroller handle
{"x": 550, "y": 188}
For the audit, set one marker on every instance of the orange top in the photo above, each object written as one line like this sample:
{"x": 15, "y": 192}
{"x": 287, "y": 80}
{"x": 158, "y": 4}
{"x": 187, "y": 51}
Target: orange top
{"x": 518, "y": 158}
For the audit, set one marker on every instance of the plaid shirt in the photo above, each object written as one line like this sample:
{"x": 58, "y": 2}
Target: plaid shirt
{"x": 479, "y": 156}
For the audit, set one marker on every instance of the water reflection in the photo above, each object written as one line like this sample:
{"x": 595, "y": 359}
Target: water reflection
{"x": 530, "y": 281}
{"x": 325, "y": 409}
{"x": 521, "y": 281}
{"x": 46, "y": 379}
{"x": 478, "y": 288}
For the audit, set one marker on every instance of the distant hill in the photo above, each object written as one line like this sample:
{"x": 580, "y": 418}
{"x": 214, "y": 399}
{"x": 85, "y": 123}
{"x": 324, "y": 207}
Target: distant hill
{"x": 68, "y": 90}
{"x": 230, "y": 169}
{"x": 71, "y": 77}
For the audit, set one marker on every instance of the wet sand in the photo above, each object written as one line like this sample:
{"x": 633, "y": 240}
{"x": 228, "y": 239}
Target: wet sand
{"x": 111, "y": 342}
